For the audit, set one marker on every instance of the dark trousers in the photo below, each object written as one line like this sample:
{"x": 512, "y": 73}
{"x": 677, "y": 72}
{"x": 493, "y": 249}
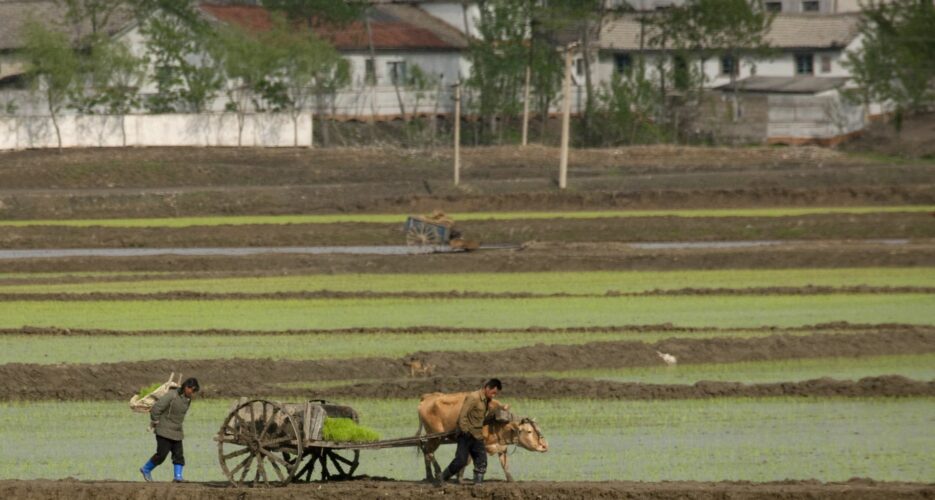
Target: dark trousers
{"x": 468, "y": 446}
{"x": 164, "y": 446}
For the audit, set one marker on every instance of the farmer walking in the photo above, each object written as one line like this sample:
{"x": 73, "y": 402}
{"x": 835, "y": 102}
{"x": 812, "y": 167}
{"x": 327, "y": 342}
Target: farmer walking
{"x": 166, "y": 419}
{"x": 474, "y": 413}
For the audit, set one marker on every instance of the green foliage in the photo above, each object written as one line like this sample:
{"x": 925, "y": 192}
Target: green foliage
{"x": 177, "y": 40}
{"x": 627, "y": 108}
{"x": 93, "y": 13}
{"x": 896, "y": 62}
{"x": 345, "y": 430}
{"x": 145, "y": 391}
{"x": 499, "y": 57}
{"x": 113, "y": 75}
{"x": 54, "y": 67}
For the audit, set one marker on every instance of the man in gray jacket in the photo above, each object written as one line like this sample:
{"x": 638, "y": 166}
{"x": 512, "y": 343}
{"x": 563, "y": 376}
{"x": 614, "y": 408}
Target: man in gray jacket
{"x": 166, "y": 419}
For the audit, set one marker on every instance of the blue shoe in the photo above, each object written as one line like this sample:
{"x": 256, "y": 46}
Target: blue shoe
{"x": 178, "y": 474}
{"x": 146, "y": 470}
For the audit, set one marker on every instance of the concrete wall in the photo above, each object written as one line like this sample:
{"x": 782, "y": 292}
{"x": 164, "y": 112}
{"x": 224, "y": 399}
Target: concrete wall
{"x": 825, "y": 117}
{"x": 264, "y": 130}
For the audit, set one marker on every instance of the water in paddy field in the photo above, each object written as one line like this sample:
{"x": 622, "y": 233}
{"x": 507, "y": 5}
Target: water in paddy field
{"x": 363, "y": 250}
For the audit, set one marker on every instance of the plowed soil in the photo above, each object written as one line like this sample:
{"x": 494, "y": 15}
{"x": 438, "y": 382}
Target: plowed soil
{"x": 460, "y": 370}
{"x": 624, "y": 229}
{"x": 535, "y": 257}
{"x": 856, "y": 489}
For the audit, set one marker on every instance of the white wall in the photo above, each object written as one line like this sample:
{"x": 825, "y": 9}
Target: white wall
{"x": 264, "y": 130}
{"x": 453, "y": 14}
{"x": 813, "y": 117}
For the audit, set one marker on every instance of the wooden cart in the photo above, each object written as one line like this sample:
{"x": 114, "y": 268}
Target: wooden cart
{"x": 266, "y": 443}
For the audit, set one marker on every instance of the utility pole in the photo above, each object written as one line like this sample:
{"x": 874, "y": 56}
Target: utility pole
{"x": 457, "y": 88}
{"x": 566, "y": 118}
{"x": 526, "y": 105}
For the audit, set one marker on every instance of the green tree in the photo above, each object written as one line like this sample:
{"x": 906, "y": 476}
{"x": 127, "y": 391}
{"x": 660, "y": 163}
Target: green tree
{"x": 625, "y": 114}
{"x": 305, "y": 65}
{"x": 111, "y": 79}
{"x": 54, "y": 68}
{"x": 499, "y": 60}
{"x": 896, "y": 63}
{"x": 94, "y": 14}
{"x": 578, "y": 21}
{"x": 178, "y": 40}
{"x": 247, "y": 64}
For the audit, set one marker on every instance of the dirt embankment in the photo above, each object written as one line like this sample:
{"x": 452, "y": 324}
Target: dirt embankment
{"x": 457, "y": 294}
{"x": 241, "y": 377}
{"x": 623, "y": 229}
{"x": 536, "y": 257}
{"x": 855, "y": 489}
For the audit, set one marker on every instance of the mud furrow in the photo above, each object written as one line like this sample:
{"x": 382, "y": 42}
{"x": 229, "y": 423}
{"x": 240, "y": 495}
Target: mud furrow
{"x": 228, "y": 377}
{"x": 840, "y": 326}
{"x": 453, "y": 294}
{"x": 380, "y": 488}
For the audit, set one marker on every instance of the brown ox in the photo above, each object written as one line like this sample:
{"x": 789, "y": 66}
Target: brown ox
{"x": 438, "y": 412}
{"x": 419, "y": 368}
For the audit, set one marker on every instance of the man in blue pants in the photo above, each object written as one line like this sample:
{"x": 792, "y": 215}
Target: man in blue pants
{"x": 166, "y": 419}
{"x": 474, "y": 413}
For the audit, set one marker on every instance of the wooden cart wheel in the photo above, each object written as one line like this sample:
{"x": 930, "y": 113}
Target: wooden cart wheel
{"x": 422, "y": 234}
{"x": 333, "y": 464}
{"x": 259, "y": 439}
{"x": 344, "y": 463}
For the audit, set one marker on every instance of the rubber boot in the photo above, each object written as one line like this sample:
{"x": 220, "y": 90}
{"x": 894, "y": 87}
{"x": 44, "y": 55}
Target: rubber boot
{"x": 146, "y": 470}
{"x": 478, "y": 479}
{"x": 178, "y": 473}
{"x": 440, "y": 481}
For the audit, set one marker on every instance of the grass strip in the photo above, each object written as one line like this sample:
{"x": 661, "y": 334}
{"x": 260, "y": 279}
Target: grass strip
{"x": 916, "y": 367}
{"x": 825, "y": 439}
{"x": 596, "y": 282}
{"x": 89, "y": 349}
{"x": 273, "y": 315}
{"x": 464, "y": 217}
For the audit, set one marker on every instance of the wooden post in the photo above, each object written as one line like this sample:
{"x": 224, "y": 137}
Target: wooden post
{"x": 457, "y": 87}
{"x": 526, "y": 106}
{"x": 566, "y": 120}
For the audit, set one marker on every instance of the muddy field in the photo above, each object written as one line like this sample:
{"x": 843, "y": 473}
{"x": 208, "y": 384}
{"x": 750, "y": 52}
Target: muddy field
{"x": 856, "y": 489}
{"x": 460, "y": 371}
{"x": 163, "y": 182}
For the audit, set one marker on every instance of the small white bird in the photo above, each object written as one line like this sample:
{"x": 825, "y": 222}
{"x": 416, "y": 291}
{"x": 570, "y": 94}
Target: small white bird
{"x": 668, "y": 358}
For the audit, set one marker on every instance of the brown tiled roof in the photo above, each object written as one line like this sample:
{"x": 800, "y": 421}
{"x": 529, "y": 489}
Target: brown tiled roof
{"x": 788, "y": 31}
{"x": 393, "y": 27}
{"x": 15, "y": 14}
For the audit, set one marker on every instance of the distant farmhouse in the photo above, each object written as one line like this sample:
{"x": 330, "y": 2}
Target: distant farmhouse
{"x": 793, "y": 95}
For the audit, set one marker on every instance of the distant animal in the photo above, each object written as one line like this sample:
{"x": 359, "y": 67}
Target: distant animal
{"x": 438, "y": 412}
{"x": 667, "y": 358}
{"x": 419, "y": 368}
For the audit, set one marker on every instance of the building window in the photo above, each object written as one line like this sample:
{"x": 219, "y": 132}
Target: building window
{"x": 728, "y": 67}
{"x": 805, "y": 64}
{"x": 397, "y": 71}
{"x": 623, "y": 63}
{"x": 774, "y": 6}
{"x": 370, "y": 75}
{"x": 810, "y": 6}
{"x": 826, "y": 64}
{"x": 579, "y": 66}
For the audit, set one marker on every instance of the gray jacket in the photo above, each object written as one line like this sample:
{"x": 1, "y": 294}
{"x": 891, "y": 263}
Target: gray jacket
{"x": 168, "y": 414}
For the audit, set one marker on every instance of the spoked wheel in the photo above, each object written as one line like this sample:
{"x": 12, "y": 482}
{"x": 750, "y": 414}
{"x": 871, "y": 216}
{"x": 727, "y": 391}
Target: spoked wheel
{"x": 422, "y": 234}
{"x": 257, "y": 443}
{"x": 332, "y": 464}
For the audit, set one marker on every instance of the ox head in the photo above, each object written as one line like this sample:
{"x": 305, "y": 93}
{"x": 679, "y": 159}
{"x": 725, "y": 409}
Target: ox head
{"x": 530, "y": 436}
